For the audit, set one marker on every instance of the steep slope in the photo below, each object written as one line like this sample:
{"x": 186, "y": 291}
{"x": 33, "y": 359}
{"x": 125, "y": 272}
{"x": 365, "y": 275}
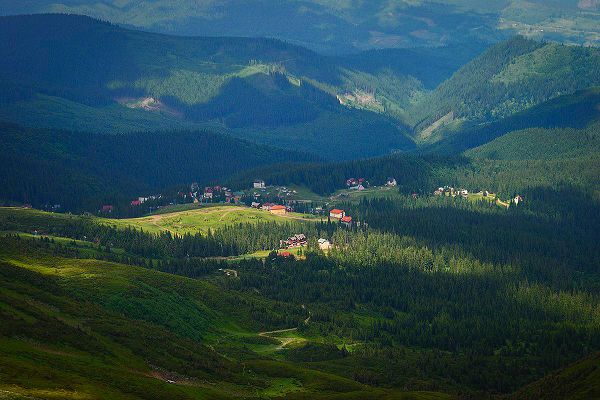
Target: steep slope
{"x": 508, "y": 78}
{"x": 72, "y": 168}
{"x": 575, "y": 111}
{"x": 76, "y": 72}
{"x": 540, "y": 143}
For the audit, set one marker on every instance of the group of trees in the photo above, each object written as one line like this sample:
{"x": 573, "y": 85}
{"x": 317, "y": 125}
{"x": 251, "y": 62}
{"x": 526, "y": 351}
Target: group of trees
{"x": 82, "y": 171}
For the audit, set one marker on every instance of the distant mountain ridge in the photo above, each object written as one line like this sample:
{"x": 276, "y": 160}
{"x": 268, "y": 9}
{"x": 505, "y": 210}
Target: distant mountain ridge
{"x": 348, "y": 26}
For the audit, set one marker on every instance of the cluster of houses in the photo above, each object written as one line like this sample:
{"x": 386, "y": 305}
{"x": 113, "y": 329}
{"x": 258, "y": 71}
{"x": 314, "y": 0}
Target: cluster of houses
{"x": 212, "y": 194}
{"x": 300, "y": 240}
{"x": 341, "y": 216}
{"x": 141, "y": 200}
{"x": 450, "y": 191}
{"x": 356, "y": 184}
{"x": 297, "y": 240}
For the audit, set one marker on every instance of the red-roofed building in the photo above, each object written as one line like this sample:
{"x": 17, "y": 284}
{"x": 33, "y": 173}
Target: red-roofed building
{"x": 347, "y": 220}
{"x": 337, "y": 214}
{"x": 285, "y": 254}
{"x": 136, "y": 203}
{"x": 107, "y": 209}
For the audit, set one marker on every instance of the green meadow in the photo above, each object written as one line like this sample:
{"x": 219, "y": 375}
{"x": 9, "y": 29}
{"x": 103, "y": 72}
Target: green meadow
{"x": 203, "y": 219}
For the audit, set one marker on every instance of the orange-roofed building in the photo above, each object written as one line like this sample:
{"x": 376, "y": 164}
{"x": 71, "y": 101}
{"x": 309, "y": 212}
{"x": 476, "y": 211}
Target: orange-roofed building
{"x": 277, "y": 210}
{"x": 337, "y": 214}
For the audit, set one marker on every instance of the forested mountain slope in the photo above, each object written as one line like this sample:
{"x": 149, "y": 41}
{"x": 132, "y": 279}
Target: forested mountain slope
{"x": 577, "y": 111}
{"x": 542, "y": 143}
{"x": 507, "y": 78}
{"x": 81, "y": 170}
{"x": 83, "y": 74}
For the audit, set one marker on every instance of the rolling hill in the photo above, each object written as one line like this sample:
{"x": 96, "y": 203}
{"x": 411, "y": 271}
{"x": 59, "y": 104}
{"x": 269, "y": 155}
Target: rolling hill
{"x": 78, "y": 73}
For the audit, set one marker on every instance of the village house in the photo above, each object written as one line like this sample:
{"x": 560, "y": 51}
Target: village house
{"x": 347, "y": 220}
{"x": 391, "y": 182}
{"x": 107, "y": 209}
{"x": 298, "y": 240}
{"x": 278, "y": 210}
{"x": 518, "y": 199}
{"x": 255, "y": 205}
{"x": 337, "y": 214}
{"x": 324, "y": 244}
{"x": 259, "y": 184}
{"x": 267, "y": 206}
{"x": 136, "y": 203}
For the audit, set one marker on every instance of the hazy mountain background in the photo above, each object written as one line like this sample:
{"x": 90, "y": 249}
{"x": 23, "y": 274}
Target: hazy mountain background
{"x": 345, "y": 26}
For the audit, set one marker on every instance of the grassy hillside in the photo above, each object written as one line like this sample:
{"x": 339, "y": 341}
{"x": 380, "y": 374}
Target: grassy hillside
{"x": 204, "y": 219}
{"x": 510, "y": 77}
{"x": 76, "y": 72}
{"x": 81, "y": 170}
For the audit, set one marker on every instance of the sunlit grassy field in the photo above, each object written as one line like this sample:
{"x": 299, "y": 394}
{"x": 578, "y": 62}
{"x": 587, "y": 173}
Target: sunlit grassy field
{"x": 204, "y": 219}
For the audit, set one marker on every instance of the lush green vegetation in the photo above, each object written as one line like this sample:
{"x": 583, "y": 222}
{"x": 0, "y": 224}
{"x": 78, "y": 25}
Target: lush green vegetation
{"x": 539, "y": 143}
{"x": 282, "y": 95}
{"x": 483, "y": 91}
{"x": 570, "y": 111}
{"x": 73, "y": 72}
{"x": 433, "y": 287}
{"x": 83, "y": 171}
{"x": 488, "y": 295}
